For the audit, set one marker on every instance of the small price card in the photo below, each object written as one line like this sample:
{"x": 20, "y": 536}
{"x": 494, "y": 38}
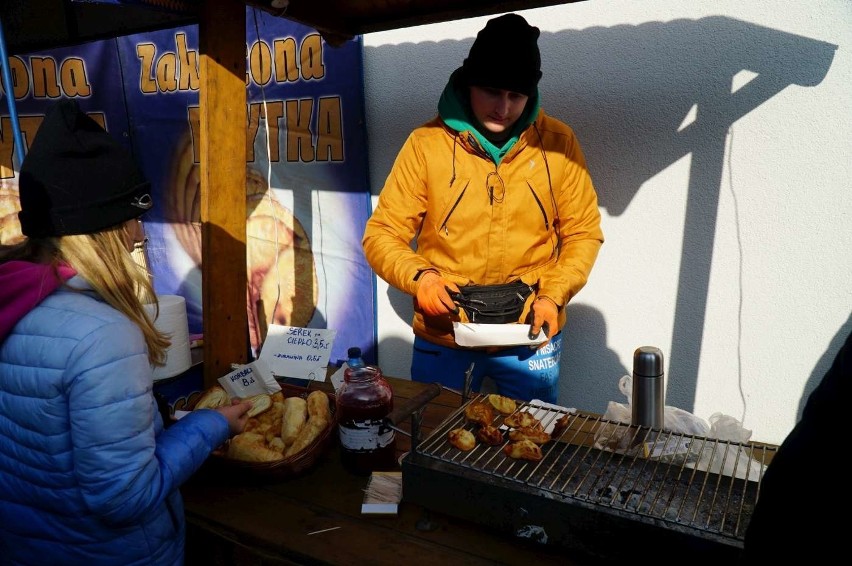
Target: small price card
{"x": 303, "y": 353}
{"x": 249, "y": 380}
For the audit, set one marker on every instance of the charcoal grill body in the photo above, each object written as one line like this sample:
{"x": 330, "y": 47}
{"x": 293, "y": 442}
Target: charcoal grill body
{"x": 605, "y": 505}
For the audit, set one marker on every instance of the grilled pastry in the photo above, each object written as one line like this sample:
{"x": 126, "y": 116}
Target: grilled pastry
{"x": 504, "y": 405}
{"x": 535, "y": 434}
{"x": 212, "y": 398}
{"x": 523, "y": 450}
{"x": 560, "y": 425}
{"x": 479, "y": 413}
{"x": 462, "y": 439}
{"x": 490, "y": 435}
{"x": 520, "y": 420}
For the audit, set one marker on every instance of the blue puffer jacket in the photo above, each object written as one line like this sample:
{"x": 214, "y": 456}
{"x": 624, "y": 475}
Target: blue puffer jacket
{"x": 88, "y": 474}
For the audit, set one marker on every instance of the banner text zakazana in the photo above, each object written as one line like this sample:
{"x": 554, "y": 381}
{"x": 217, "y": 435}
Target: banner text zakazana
{"x": 43, "y": 76}
{"x": 69, "y": 77}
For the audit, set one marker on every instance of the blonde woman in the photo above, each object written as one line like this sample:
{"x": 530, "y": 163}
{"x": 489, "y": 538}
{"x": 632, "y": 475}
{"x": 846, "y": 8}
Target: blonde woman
{"x": 88, "y": 474}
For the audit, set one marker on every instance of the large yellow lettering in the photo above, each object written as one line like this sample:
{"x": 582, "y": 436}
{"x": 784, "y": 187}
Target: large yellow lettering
{"x": 29, "y": 125}
{"x": 299, "y": 142}
{"x": 274, "y": 113}
{"x": 146, "y": 53}
{"x": 44, "y": 77}
{"x": 329, "y": 130}
{"x": 260, "y": 63}
{"x": 286, "y": 68}
{"x": 311, "y": 56}
{"x": 167, "y": 73}
{"x": 20, "y": 77}
{"x": 254, "y": 111}
{"x": 188, "y": 62}
{"x": 73, "y": 77}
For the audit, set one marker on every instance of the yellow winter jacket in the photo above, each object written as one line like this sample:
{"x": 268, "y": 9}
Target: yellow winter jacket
{"x": 446, "y": 206}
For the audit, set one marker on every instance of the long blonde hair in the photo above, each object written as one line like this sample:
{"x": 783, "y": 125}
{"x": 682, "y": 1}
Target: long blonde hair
{"x": 102, "y": 259}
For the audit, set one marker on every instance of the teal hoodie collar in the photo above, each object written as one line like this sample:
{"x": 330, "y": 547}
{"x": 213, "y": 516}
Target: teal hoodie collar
{"x": 454, "y": 109}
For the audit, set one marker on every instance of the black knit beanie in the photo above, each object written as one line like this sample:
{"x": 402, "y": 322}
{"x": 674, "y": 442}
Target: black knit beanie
{"x": 77, "y": 179}
{"x": 505, "y": 55}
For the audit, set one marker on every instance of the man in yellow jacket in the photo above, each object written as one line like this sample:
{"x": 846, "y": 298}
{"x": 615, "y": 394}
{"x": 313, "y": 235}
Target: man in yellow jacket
{"x": 490, "y": 192}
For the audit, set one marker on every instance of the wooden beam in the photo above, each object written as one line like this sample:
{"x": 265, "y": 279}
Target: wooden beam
{"x": 222, "y": 41}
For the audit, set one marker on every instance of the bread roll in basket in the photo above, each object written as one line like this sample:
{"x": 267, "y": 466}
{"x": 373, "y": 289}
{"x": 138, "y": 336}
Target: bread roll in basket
{"x": 286, "y": 432}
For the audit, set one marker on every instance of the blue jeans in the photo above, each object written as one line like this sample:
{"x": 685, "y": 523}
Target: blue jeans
{"x": 519, "y": 373}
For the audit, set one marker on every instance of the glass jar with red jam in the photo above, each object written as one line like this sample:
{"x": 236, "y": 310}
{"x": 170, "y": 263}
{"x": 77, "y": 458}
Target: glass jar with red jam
{"x": 367, "y": 441}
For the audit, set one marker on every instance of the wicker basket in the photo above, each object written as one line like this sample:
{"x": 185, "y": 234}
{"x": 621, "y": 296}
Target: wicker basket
{"x": 288, "y": 467}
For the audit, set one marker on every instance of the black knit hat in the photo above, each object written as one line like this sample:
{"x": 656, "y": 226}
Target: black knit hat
{"x": 78, "y": 179}
{"x": 505, "y": 55}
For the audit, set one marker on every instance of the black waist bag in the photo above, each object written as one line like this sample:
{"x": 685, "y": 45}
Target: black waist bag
{"x": 493, "y": 304}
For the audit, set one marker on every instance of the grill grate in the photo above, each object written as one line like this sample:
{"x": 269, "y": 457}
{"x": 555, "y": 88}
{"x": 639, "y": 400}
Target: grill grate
{"x": 698, "y": 486}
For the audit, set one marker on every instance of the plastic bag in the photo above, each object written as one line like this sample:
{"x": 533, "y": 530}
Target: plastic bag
{"x": 614, "y": 437}
{"x": 729, "y": 457}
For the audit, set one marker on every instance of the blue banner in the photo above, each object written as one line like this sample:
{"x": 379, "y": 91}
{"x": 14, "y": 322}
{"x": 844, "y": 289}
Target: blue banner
{"x": 306, "y": 166}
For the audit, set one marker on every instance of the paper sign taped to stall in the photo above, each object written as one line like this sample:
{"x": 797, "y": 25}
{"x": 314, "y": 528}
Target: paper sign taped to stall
{"x": 292, "y": 351}
{"x": 249, "y": 380}
{"x": 473, "y": 335}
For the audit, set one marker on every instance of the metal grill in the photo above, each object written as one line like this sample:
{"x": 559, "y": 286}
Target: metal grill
{"x": 695, "y": 486}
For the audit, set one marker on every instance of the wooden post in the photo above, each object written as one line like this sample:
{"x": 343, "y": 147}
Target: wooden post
{"x": 222, "y": 41}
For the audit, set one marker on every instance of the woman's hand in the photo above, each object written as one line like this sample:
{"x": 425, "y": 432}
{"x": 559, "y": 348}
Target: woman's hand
{"x": 236, "y": 414}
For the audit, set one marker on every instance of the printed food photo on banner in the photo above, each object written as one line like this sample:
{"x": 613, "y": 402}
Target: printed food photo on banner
{"x": 307, "y": 197}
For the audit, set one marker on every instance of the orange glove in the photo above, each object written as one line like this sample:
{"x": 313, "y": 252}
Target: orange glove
{"x": 545, "y": 316}
{"x": 433, "y": 294}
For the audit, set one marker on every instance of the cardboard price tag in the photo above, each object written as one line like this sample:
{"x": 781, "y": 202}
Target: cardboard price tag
{"x": 292, "y": 351}
{"x": 249, "y": 380}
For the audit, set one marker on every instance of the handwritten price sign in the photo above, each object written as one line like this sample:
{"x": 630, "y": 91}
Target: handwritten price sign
{"x": 249, "y": 380}
{"x": 303, "y": 353}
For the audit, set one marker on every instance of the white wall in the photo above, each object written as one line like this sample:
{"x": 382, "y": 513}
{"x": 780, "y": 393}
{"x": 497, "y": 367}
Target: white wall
{"x": 718, "y": 136}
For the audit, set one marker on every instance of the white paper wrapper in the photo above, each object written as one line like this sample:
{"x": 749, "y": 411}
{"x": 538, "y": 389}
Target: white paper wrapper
{"x": 473, "y": 335}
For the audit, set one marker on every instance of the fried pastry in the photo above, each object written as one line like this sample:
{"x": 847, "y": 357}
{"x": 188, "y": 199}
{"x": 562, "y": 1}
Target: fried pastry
{"x": 521, "y": 419}
{"x": 312, "y": 429}
{"x": 535, "y": 434}
{"x": 294, "y": 418}
{"x": 318, "y": 406}
{"x": 490, "y": 435}
{"x": 479, "y": 413}
{"x": 462, "y": 439}
{"x": 523, "y": 450}
{"x": 504, "y": 405}
{"x": 251, "y": 447}
{"x": 259, "y": 404}
{"x": 212, "y": 398}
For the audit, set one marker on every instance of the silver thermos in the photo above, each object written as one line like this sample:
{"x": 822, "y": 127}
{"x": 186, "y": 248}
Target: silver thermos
{"x": 648, "y": 392}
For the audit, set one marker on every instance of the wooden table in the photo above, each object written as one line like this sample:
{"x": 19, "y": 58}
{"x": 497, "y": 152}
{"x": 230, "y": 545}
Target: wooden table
{"x": 316, "y": 518}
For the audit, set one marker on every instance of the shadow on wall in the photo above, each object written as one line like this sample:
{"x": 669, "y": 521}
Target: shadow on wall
{"x": 593, "y": 79}
{"x": 590, "y": 370}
